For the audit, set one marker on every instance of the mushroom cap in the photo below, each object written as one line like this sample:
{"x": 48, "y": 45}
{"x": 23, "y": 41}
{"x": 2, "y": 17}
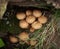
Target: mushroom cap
{"x": 20, "y": 16}
{"x": 32, "y": 29}
{"x": 36, "y": 25}
{"x": 23, "y": 36}
{"x": 23, "y": 24}
{"x": 28, "y": 12}
{"x": 42, "y": 19}
{"x": 30, "y": 19}
{"x": 13, "y": 39}
{"x": 33, "y": 42}
{"x": 37, "y": 13}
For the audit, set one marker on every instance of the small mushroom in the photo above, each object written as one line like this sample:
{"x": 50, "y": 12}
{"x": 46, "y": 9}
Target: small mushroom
{"x": 42, "y": 19}
{"x": 37, "y": 13}
{"x": 32, "y": 29}
{"x": 23, "y": 24}
{"x": 23, "y": 36}
{"x": 30, "y": 19}
{"x": 33, "y": 42}
{"x": 28, "y": 12}
{"x": 13, "y": 39}
{"x": 36, "y": 25}
{"x": 20, "y": 16}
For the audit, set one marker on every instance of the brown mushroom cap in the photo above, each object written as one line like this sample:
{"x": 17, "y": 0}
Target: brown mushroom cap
{"x": 37, "y": 13}
{"x": 33, "y": 42}
{"x": 23, "y": 36}
{"x": 28, "y": 12}
{"x": 36, "y": 25}
{"x": 32, "y": 29}
{"x": 13, "y": 39}
{"x": 30, "y": 19}
{"x": 20, "y": 16}
{"x": 23, "y": 24}
{"x": 42, "y": 19}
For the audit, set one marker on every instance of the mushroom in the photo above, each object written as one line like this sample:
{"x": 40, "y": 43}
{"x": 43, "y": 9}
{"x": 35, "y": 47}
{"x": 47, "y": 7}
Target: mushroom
{"x": 13, "y": 39}
{"x": 30, "y": 19}
{"x": 32, "y": 29}
{"x": 20, "y": 16}
{"x": 42, "y": 19}
{"x": 36, "y": 25}
{"x": 23, "y": 36}
{"x": 33, "y": 42}
{"x": 37, "y": 13}
{"x": 28, "y": 12}
{"x": 23, "y": 24}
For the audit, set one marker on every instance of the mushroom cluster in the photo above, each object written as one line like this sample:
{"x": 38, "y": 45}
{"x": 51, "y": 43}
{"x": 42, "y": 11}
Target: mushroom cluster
{"x": 31, "y": 20}
{"x": 23, "y": 36}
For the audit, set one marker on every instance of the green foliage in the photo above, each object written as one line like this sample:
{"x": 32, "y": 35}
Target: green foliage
{"x": 1, "y": 43}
